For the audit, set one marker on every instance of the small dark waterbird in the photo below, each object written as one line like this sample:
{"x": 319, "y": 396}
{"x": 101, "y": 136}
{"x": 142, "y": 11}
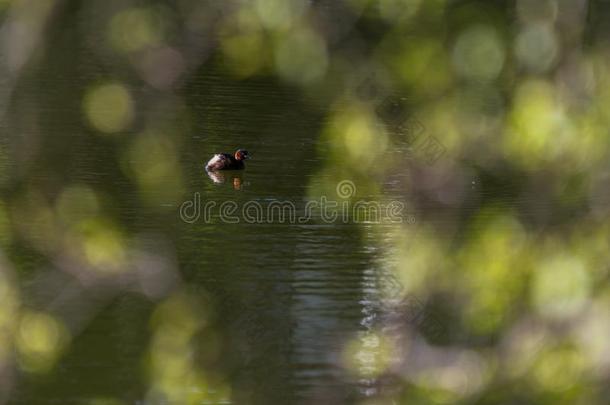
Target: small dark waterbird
{"x": 226, "y": 161}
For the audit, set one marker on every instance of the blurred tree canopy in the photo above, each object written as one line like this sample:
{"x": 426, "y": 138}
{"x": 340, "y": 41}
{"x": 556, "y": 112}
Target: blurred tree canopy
{"x": 511, "y": 247}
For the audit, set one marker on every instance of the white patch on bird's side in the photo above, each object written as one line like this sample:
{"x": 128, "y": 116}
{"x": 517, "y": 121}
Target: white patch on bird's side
{"x": 214, "y": 160}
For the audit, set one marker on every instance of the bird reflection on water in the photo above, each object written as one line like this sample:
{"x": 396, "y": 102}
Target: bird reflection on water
{"x": 236, "y": 178}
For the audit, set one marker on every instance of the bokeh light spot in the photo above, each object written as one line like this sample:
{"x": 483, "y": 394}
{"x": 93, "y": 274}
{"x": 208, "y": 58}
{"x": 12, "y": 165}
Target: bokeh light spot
{"x": 537, "y": 47}
{"x": 279, "y": 14}
{"x": 301, "y": 57}
{"x": 479, "y": 53}
{"x": 244, "y": 53}
{"x": 103, "y": 245}
{"x": 152, "y": 162}
{"x": 40, "y": 339}
{"x": 561, "y": 287}
{"x": 134, "y": 29}
{"x": 109, "y": 107}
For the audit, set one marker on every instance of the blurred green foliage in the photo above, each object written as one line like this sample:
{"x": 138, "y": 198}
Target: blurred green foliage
{"x": 512, "y": 240}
